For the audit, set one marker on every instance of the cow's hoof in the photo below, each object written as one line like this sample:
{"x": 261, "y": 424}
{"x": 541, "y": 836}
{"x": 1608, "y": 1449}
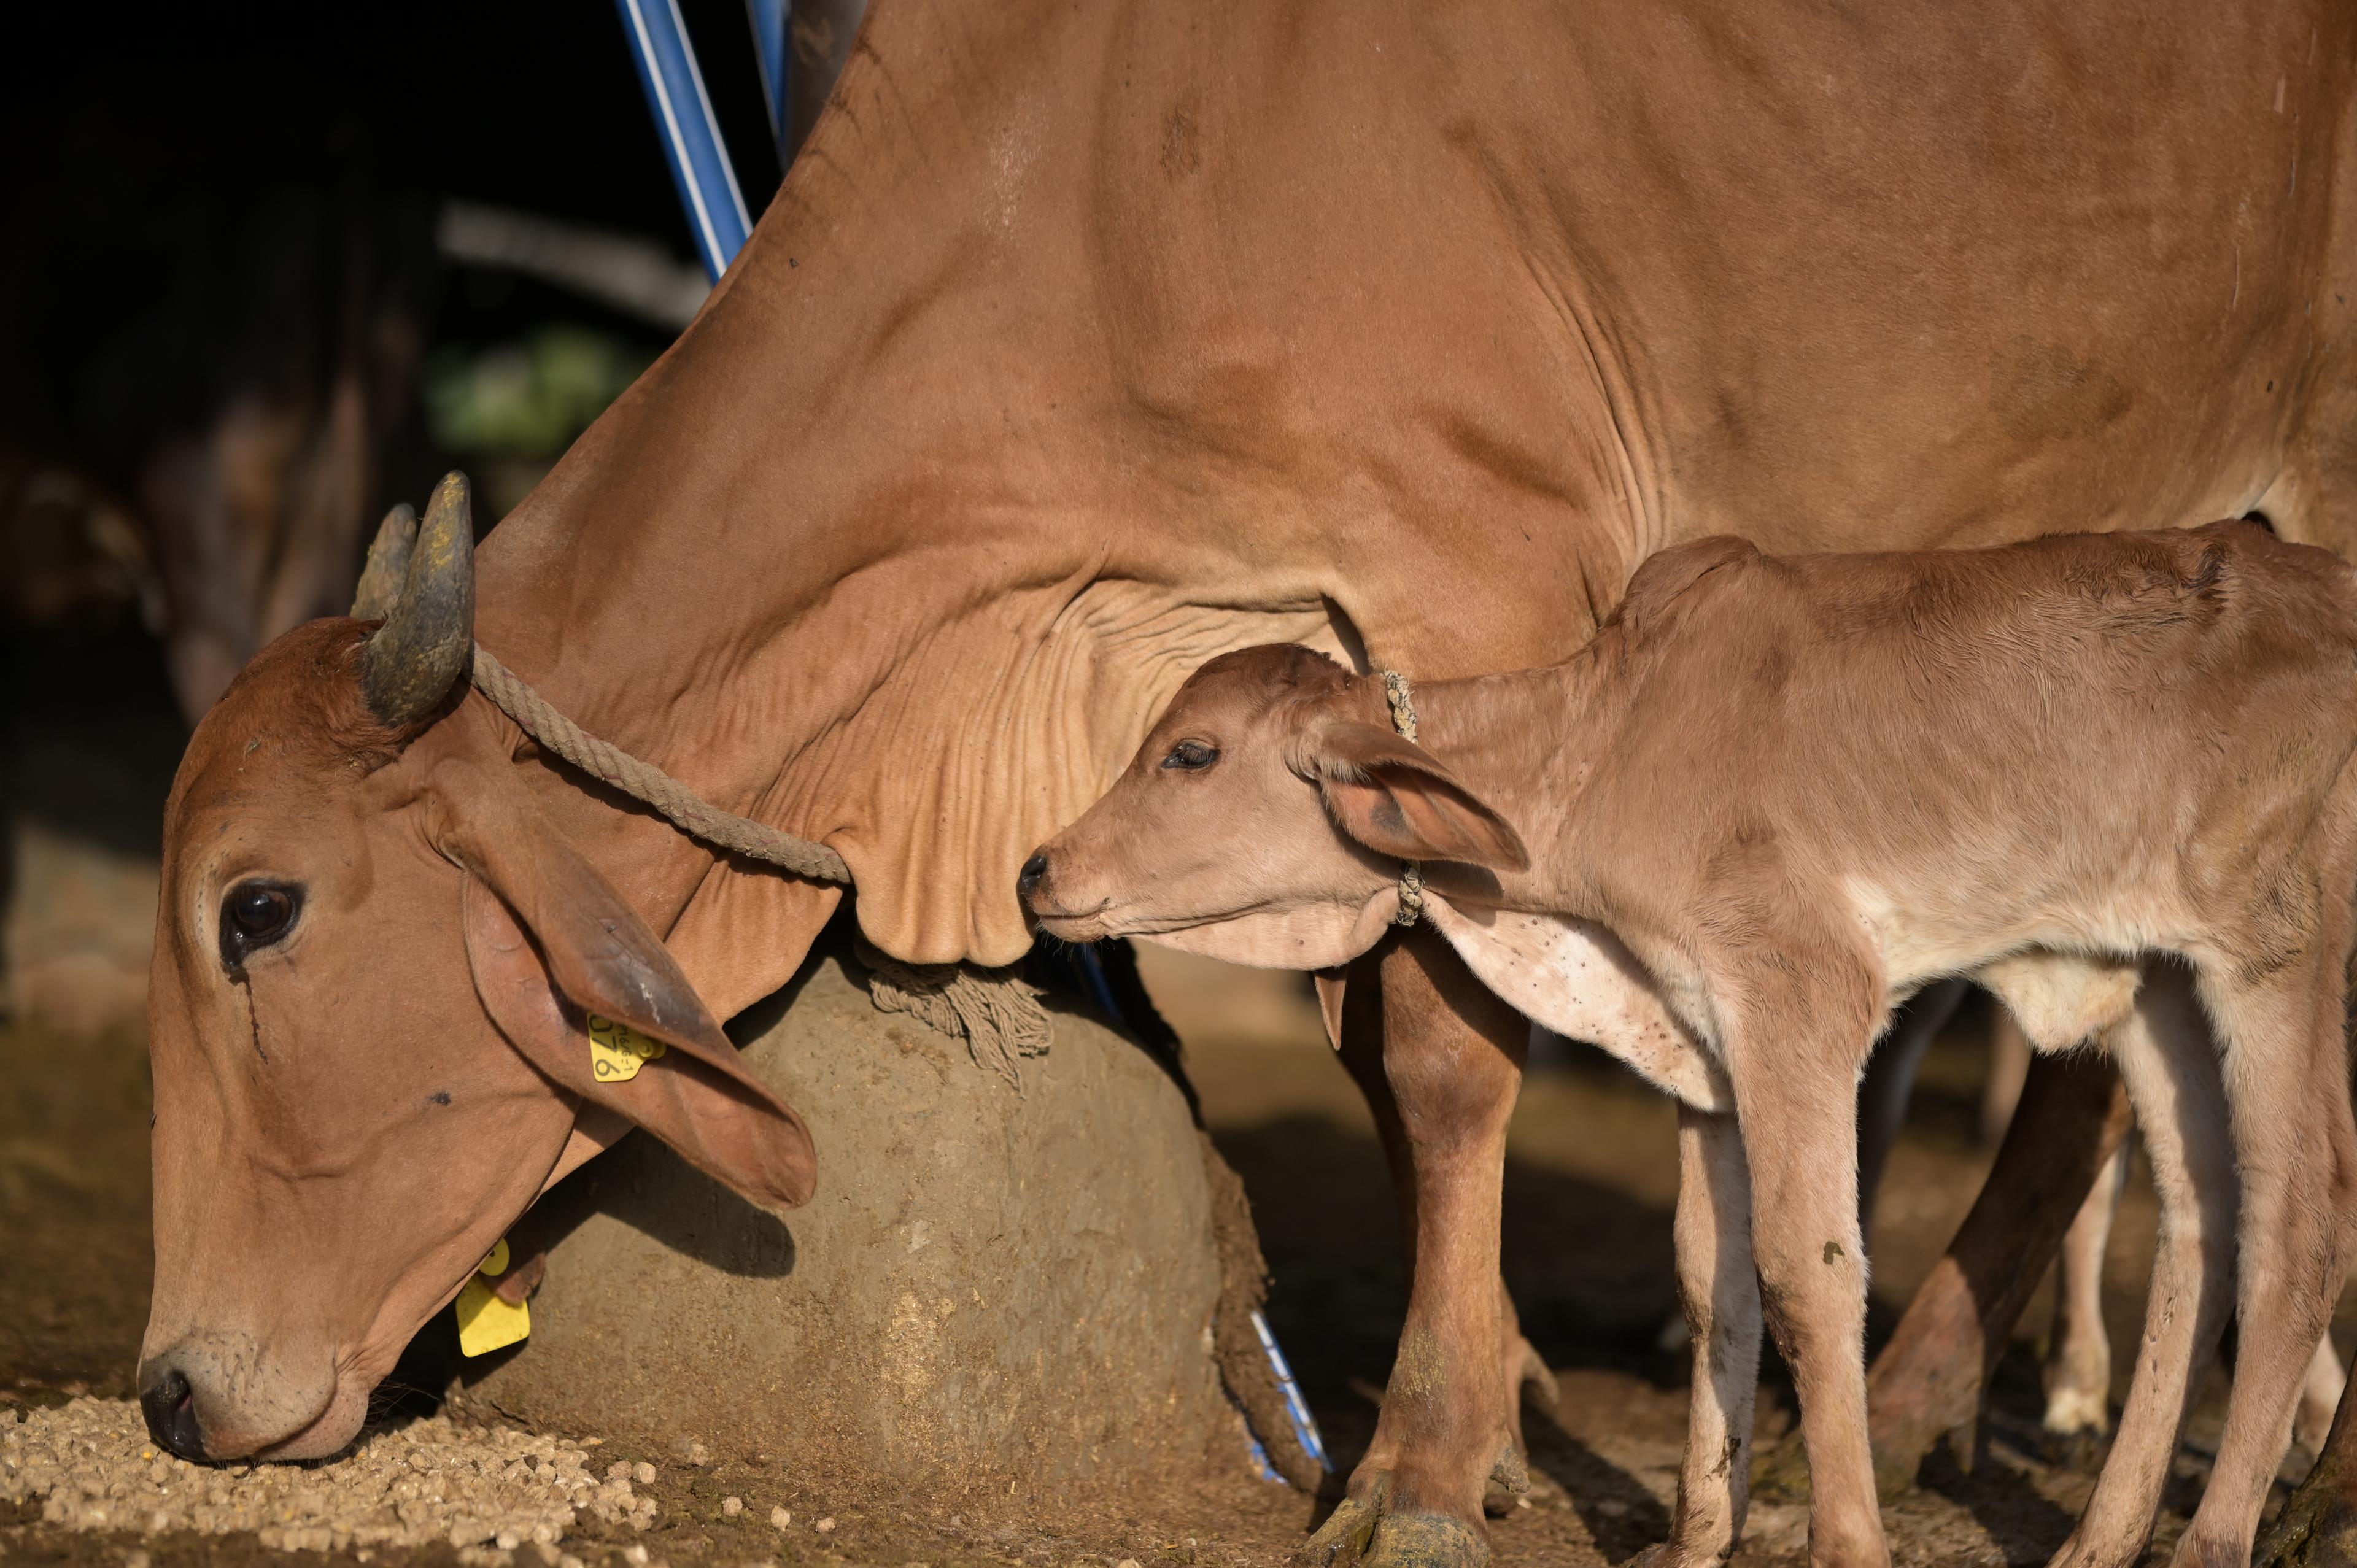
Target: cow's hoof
{"x": 1375, "y": 1537}
{"x": 2082, "y": 1451}
{"x": 1508, "y": 1484}
{"x": 1426, "y": 1540}
{"x": 2317, "y": 1528}
{"x": 1342, "y": 1540}
{"x": 1665, "y": 1554}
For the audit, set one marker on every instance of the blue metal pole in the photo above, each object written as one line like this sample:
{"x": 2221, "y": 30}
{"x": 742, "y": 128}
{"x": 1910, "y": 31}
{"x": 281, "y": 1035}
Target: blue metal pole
{"x": 769, "y": 19}
{"x": 691, "y": 137}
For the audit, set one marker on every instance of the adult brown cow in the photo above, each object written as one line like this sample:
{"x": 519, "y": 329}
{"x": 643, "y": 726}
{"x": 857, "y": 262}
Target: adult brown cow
{"x": 1085, "y": 343}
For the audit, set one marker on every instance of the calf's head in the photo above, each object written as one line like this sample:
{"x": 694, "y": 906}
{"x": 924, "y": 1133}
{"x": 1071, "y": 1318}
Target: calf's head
{"x": 373, "y": 962}
{"x": 1263, "y": 821}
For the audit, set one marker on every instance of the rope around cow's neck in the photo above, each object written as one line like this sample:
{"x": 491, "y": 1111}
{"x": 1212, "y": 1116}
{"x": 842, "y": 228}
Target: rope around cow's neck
{"x": 996, "y": 1010}
{"x": 1402, "y": 698}
{"x": 688, "y": 811}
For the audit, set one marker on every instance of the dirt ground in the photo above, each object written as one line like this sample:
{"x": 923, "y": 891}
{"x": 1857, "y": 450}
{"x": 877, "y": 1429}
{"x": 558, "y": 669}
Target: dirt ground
{"x": 1589, "y": 1186}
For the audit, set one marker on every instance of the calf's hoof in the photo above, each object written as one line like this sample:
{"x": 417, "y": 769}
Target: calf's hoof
{"x": 2194, "y": 1551}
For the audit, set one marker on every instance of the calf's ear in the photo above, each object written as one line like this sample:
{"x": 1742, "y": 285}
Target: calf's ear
{"x": 1391, "y": 796}
{"x": 551, "y": 943}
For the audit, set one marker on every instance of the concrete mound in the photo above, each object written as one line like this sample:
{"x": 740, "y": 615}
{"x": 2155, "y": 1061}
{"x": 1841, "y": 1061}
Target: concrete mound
{"x": 995, "y": 1300}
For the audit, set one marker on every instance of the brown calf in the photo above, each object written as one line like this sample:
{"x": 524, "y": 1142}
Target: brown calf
{"x": 2134, "y": 819}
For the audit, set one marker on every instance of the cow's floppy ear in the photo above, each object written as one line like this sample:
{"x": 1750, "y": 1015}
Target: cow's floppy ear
{"x": 551, "y": 942}
{"x": 1390, "y": 795}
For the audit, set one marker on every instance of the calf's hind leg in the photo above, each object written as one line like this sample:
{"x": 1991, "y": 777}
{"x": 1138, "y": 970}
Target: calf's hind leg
{"x": 2164, "y": 1056}
{"x": 2287, "y": 1077}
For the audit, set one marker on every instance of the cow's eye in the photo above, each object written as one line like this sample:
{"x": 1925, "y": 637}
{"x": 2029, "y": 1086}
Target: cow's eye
{"x": 254, "y": 915}
{"x": 1191, "y": 756}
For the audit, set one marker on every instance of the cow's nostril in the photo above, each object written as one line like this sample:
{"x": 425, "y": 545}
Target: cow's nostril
{"x": 171, "y": 1412}
{"x": 1026, "y": 881}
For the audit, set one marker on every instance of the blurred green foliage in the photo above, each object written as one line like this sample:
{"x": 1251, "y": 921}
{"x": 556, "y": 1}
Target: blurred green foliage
{"x": 527, "y": 399}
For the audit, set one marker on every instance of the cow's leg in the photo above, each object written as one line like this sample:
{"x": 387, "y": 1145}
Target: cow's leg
{"x": 1721, "y": 1295}
{"x": 1356, "y": 1028}
{"x": 2287, "y": 1071}
{"x": 1889, "y": 1083}
{"x": 2078, "y": 1372}
{"x": 1451, "y": 1062}
{"x": 2317, "y": 1526}
{"x": 2165, "y": 1058}
{"x": 1793, "y": 1048}
{"x": 1519, "y": 1366}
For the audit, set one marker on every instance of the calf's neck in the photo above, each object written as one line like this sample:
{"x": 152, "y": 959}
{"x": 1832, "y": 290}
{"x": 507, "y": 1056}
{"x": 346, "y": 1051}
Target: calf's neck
{"x": 2107, "y": 776}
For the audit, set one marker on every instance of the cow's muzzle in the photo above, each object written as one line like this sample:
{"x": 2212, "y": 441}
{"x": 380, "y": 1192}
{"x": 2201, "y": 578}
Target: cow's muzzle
{"x": 170, "y": 1406}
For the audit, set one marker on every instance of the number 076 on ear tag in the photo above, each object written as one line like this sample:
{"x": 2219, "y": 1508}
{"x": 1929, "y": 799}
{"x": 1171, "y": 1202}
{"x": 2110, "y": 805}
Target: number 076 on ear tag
{"x": 616, "y": 1051}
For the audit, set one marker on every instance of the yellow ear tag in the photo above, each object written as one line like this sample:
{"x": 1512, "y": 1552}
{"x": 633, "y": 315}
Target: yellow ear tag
{"x": 616, "y": 1051}
{"x": 485, "y": 1322}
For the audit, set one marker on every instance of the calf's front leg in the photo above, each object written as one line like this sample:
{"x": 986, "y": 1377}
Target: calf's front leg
{"x": 1792, "y": 1050}
{"x": 1450, "y": 1058}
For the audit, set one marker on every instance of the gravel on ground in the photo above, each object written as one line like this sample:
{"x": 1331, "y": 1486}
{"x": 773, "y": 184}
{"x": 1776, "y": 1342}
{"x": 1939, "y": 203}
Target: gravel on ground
{"x": 486, "y": 1491}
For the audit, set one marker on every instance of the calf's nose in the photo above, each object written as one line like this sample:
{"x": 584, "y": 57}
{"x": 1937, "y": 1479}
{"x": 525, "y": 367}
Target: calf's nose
{"x": 1026, "y": 881}
{"x": 171, "y": 1407}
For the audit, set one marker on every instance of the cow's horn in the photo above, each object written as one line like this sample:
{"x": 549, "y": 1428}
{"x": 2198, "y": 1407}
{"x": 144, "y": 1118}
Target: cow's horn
{"x": 408, "y": 664}
{"x": 388, "y": 563}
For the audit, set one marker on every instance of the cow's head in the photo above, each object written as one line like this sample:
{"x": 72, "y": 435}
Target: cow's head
{"x": 1263, "y": 821}
{"x": 372, "y": 967}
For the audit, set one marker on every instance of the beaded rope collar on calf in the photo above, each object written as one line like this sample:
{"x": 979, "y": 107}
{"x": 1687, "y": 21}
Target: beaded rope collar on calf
{"x": 1402, "y": 699}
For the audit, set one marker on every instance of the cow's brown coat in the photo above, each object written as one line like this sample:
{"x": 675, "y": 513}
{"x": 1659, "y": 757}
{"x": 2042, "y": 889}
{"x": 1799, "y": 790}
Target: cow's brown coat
{"x": 2128, "y": 784}
{"x": 1083, "y": 343}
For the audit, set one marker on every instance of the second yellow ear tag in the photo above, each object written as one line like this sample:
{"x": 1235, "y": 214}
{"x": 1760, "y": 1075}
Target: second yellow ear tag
{"x": 616, "y": 1051}
{"x": 486, "y": 1323}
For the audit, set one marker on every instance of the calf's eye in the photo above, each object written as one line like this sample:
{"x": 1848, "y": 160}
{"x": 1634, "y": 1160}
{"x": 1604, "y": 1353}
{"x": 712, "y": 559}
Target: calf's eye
{"x": 254, "y": 915}
{"x": 1191, "y": 756}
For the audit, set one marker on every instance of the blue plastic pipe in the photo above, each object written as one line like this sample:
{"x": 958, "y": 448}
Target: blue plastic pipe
{"x": 690, "y": 136}
{"x": 769, "y": 19}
